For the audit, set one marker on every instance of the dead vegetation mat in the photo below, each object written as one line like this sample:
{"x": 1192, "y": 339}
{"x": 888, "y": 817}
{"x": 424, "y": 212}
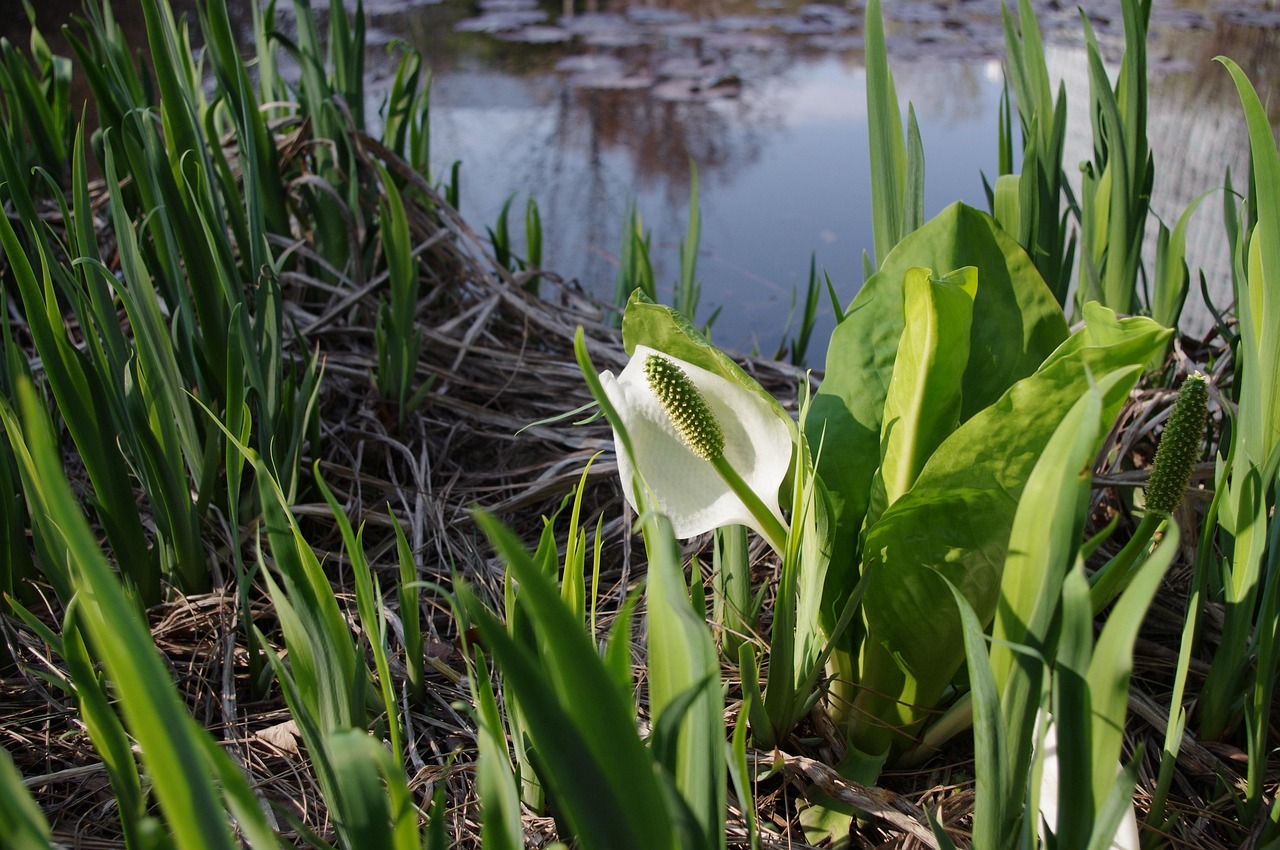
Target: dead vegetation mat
{"x": 500, "y": 363}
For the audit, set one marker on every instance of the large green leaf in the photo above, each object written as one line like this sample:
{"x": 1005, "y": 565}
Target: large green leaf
{"x": 955, "y": 522}
{"x": 1016, "y": 324}
{"x": 500, "y": 826}
{"x": 923, "y": 403}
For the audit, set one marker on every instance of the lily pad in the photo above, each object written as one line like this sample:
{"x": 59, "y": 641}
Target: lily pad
{"x": 606, "y": 82}
{"x": 689, "y": 67}
{"x": 601, "y": 64}
{"x": 537, "y": 35}
{"x": 652, "y": 16}
{"x": 743, "y": 42}
{"x": 615, "y": 39}
{"x": 594, "y": 22}
{"x": 508, "y": 5}
{"x": 696, "y": 90}
{"x": 495, "y": 22}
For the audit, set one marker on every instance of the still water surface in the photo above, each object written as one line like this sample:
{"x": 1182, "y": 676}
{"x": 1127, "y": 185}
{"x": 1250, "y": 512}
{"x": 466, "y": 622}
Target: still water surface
{"x": 768, "y": 99}
{"x": 588, "y": 109}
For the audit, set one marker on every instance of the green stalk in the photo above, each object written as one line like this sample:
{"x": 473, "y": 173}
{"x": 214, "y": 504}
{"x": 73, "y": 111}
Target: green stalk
{"x": 1112, "y": 577}
{"x": 774, "y": 532}
{"x": 734, "y": 613}
{"x": 1180, "y": 447}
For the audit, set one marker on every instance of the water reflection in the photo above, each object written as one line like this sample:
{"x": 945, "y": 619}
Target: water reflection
{"x": 784, "y": 157}
{"x": 590, "y": 105}
{"x": 768, "y": 104}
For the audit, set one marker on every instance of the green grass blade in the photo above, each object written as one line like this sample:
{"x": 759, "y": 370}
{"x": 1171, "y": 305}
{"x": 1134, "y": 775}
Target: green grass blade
{"x": 732, "y": 608}
{"x": 737, "y": 760}
{"x": 373, "y": 803}
{"x": 259, "y": 156}
{"x": 888, "y": 151}
{"x": 409, "y": 593}
{"x": 240, "y": 800}
{"x": 79, "y": 398}
{"x": 688, "y": 289}
{"x": 617, "y": 653}
{"x": 994, "y": 784}
{"x": 1071, "y": 764}
{"x": 681, "y": 660}
{"x": 1043, "y": 546}
{"x": 322, "y": 650}
{"x": 532, "y": 243}
{"x": 589, "y": 750}
{"x": 913, "y": 185}
{"x": 105, "y": 730}
{"x": 1260, "y": 308}
{"x": 167, "y": 736}
{"x": 1117, "y": 805}
{"x": 1255, "y": 451}
{"x": 21, "y": 821}
{"x": 369, "y": 606}
{"x": 500, "y": 825}
{"x": 1112, "y": 664}
{"x": 176, "y": 80}
{"x": 1172, "y": 278}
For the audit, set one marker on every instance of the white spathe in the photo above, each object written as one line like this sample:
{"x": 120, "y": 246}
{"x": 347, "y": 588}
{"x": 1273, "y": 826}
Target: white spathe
{"x": 688, "y": 490}
{"x": 1126, "y": 837}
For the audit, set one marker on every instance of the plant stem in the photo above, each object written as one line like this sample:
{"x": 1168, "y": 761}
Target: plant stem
{"x": 1108, "y": 582}
{"x": 770, "y": 526}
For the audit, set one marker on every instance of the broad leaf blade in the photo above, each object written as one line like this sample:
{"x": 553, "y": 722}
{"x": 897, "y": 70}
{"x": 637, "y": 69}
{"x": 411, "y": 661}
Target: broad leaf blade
{"x": 955, "y": 522}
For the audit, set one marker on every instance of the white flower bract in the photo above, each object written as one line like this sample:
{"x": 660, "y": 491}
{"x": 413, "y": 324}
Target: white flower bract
{"x": 687, "y": 488}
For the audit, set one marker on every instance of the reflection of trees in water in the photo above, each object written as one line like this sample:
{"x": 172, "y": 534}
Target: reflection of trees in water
{"x": 663, "y": 137}
{"x": 1254, "y": 49}
{"x": 1197, "y": 132}
{"x": 942, "y": 94}
{"x": 605, "y": 147}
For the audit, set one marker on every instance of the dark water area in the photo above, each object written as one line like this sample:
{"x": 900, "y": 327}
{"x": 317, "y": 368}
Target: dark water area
{"x": 593, "y": 106}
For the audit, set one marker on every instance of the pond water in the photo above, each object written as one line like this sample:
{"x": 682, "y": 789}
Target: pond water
{"x": 591, "y": 108}
{"x": 591, "y": 111}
